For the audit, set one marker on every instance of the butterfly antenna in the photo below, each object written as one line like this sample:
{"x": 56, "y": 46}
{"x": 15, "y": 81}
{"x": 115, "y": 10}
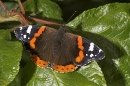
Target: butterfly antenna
{"x": 71, "y": 17}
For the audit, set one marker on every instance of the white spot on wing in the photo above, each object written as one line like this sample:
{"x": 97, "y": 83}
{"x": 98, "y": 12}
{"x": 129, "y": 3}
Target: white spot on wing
{"x": 21, "y": 28}
{"x": 24, "y": 36}
{"x": 86, "y": 54}
{"x": 99, "y": 50}
{"x": 91, "y": 55}
{"x": 29, "y": 29}
{"x": 91, "y": 47}
{"x": 28, "y": 38}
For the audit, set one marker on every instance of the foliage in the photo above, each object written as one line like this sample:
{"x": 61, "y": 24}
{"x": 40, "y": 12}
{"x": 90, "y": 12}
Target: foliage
{"x": 107, "y": 26}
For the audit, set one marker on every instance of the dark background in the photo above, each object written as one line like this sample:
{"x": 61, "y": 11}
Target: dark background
{"x": 68, "y": 7}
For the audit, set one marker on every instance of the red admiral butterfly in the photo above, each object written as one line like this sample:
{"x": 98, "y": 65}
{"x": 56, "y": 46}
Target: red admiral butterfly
{"x": 62, "y": 51}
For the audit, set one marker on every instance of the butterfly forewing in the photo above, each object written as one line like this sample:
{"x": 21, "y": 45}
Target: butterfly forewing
{"x": 26, "y": 33}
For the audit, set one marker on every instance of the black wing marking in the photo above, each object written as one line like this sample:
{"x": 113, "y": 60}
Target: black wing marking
{"x": 26, "y": 33}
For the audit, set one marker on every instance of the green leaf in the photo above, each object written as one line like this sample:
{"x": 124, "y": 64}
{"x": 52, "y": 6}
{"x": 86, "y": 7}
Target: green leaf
{"x": 36, "y": 76}
{"x": 107, "y": 26}
{"x": 112, "y": 22}
{"x": 10, "y": 55}
{"x": 5, "y": 34}
{"x": 17, "y": 79}
{"x": 43, "y": 8}
{"x": 8, "y": 5}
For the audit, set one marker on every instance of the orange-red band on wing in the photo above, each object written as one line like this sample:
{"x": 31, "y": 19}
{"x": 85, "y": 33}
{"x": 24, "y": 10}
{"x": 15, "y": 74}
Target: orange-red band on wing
{"x": 80, "y": 57}
{"x": 67, "y": 68}
{"x": 33, "y": 40}
{"x": 80, "y": 46}
{"x": 38, "y": 61}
